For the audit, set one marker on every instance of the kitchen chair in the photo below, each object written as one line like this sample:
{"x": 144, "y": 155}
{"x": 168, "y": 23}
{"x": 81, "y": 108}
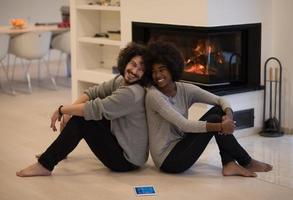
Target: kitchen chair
{"x": 31, "y": 46}
{"x": 4, "y": 45}
{"x": 61, "y": 42}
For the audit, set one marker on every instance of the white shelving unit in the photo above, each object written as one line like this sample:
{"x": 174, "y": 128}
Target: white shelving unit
{"x": 92, "y": 57}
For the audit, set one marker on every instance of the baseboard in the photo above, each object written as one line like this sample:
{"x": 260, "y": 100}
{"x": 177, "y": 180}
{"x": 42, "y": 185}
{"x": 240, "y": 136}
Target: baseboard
{"x": 288, "y": 131}
{"x": 246, "y": 132}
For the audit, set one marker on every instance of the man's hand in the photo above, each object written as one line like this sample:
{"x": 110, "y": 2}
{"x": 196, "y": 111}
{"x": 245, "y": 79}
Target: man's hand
{"x": 64, "y": 120}
{"x": 54, "y": 119}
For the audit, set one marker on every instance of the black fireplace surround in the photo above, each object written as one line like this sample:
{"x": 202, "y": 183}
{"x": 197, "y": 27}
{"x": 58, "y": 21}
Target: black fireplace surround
{"x": 222, "y": 59}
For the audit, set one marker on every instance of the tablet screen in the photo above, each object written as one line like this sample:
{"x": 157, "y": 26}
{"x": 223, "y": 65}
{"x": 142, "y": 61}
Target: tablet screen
{"x": 145, "y": 190}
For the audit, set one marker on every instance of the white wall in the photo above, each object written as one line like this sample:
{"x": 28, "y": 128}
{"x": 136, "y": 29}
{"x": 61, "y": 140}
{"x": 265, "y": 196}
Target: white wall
{"x": 31, "y": 10}
{"x": 188, "y": 12}
{"x": 283, "y": 49}
{"x": 225, "y": 12}
{"x": 207, "y": 13}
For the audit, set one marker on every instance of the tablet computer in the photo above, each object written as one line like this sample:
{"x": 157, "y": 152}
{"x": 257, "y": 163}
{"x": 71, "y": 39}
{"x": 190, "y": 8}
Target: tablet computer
{"x": 145, "y": 190}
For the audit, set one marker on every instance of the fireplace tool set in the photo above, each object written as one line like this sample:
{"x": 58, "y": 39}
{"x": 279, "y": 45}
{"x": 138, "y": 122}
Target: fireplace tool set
{"x": 273, "y": 85}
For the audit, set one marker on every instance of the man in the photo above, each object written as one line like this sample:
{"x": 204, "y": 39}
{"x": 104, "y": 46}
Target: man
{"x": 109, "y": 117}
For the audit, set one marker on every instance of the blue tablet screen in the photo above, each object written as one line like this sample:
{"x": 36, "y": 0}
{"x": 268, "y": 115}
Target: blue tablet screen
{"x": 145, "y": 190}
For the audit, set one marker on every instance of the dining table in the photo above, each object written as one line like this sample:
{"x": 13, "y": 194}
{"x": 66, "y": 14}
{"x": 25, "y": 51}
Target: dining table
{"x": 32, "y": 28}
{"x": 12, "y": 31}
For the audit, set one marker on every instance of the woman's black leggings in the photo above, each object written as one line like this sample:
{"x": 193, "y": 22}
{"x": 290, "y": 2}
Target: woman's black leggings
{"x": 99, "y": 138}
{"x": 188, "y": 150}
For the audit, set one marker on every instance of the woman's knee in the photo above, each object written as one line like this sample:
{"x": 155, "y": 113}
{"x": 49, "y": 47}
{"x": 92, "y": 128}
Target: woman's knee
{"x": 214, "y": 115}
{"x": 217, "y": 110}
{"x": 214, "y": 118}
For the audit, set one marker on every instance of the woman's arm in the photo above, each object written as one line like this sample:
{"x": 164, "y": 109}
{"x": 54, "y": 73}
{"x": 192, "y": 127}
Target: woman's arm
{"x": 157, "y": 103}
{"x": 226, "y": 127}
{"x": 229, "y": 113}
{"x": 197, "y": 95}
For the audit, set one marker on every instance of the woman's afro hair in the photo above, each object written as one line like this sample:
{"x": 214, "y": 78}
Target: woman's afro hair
{"x": 166, "y": 53}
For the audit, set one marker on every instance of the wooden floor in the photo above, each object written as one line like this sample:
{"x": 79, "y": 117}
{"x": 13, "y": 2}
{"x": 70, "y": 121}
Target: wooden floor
{"x": 24, "y": 125}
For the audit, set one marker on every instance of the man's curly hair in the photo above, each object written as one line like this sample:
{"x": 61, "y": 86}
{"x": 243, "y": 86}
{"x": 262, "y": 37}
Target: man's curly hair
{"x": 165, "y": 53}
{"x": 131, "y": 50}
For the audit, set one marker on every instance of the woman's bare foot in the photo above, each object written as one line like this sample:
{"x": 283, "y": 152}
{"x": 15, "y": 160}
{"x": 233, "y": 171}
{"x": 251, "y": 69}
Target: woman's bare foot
{"x": 233, "y": 169}
{"x": 34, "y": 170}
{"x": 257, "y": 166}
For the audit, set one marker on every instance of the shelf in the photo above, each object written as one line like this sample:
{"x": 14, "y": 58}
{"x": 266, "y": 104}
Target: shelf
{"x": 94, "y": 76}
{"x": 97, "y": 7}
{"x": 93, "y": 57}
{"x": 105, "y": 41}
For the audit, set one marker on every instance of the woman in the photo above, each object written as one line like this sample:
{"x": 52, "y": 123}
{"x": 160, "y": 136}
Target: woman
{"x": 109, "y": 117}
{"x": 177, "y": 142}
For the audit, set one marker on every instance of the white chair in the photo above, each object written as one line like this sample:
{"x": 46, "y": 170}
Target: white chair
{"x": 4, "y": 45}
{"x": 31, "y": 46}
{"x": 61, "y": 42}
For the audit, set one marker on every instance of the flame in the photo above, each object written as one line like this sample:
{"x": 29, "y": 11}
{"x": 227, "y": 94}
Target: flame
{"x": 196, "y": 68}
{"x": 205, "y": 53}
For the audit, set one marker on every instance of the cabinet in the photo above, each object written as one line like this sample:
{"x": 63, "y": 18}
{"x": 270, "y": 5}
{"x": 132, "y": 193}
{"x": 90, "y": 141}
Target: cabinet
{"x": 92, "y": 57}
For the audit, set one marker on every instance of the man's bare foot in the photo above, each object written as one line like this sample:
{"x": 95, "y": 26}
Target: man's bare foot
{"x": 38, "y": 155}
{"x": 34, "y": 170}
{"x": 257, "y": 166}
{"x": 233, "y": 169}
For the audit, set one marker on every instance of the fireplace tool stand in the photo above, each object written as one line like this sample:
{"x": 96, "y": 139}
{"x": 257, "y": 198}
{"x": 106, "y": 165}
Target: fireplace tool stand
{"x": 272, "y": 124}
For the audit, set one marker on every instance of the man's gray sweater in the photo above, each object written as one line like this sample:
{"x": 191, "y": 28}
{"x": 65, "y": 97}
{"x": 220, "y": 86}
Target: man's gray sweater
{"x": 124, "y": 106}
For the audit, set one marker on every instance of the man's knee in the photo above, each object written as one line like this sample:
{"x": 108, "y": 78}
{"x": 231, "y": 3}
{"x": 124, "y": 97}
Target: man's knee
{"x": 123, "y": 168}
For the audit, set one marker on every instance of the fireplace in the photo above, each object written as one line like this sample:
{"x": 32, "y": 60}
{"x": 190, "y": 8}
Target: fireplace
{"x": 222, "y": 59}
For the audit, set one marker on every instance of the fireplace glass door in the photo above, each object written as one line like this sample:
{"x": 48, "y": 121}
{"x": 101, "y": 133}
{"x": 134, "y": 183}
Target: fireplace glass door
{"x": 215, "y": 57}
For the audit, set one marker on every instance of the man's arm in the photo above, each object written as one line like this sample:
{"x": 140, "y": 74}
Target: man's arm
{"x": 100, "y": 91}
{"x": 121, "y": 102}
{"x": 65, "y": 118}
{"x": 66, "y": 111}
{"x": 81, "y": 99}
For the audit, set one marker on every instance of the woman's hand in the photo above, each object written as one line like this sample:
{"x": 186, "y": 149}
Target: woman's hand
{"x": 229, "y": 113}
{"x": 228, "y": 125}
{"x": 54, "y": 119}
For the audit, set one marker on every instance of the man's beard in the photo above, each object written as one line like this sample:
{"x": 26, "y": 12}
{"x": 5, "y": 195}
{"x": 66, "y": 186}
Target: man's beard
{"x": 134, "y": 82}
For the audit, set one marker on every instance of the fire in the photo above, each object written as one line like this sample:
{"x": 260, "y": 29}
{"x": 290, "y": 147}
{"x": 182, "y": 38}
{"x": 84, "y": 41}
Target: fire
{"x": 196, "y": 68}
{"x": 206, "y": 55}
